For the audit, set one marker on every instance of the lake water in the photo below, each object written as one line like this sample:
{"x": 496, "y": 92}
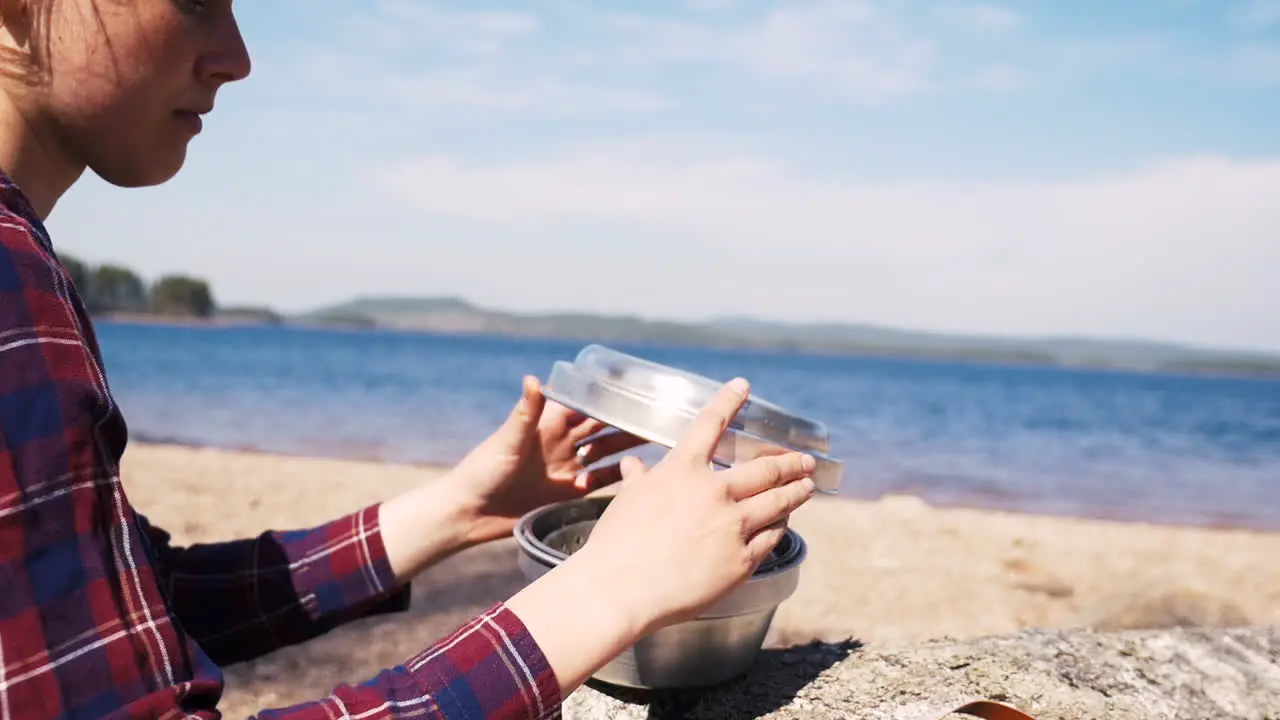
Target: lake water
{"x": 1105, "y": 444}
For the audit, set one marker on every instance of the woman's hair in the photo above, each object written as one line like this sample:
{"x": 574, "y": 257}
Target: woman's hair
{"x": 30, "y": 67}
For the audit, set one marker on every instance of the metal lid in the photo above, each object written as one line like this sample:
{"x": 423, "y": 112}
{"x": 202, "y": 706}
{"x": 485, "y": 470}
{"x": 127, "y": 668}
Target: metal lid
{"x": 656, "y": 402}
{"x": 687, "y": 392}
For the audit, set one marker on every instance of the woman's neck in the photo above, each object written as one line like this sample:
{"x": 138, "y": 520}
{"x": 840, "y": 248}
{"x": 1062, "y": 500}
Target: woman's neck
{"x": 33, "y": 158}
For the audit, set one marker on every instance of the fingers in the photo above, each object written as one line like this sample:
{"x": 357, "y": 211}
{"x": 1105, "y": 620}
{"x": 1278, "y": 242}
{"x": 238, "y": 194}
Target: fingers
{"x": 775, "y": 504}
{"x": 607, "y": 475}
{"x": 611, "y": 444}
{"x": 596, "y": 478}
{"x": 767, "y": 472}
{"x": 703, "y": 435}
{"x": 585, "y": 429}
{"x": 764, "y": 541}
{"x": 631, "y": 466}
{"x": 523, "y": 420}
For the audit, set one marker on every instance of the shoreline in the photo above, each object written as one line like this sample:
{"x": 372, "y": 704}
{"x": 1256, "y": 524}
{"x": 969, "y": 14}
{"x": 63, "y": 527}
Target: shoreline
{"x": 1135, "y": 518}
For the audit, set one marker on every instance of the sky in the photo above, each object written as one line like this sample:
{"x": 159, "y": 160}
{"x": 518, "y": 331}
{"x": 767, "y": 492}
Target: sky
{"x": 1024, "y": 168}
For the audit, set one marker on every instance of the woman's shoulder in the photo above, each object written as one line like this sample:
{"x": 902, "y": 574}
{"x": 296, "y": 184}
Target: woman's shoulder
{"x": 21, "y": 230}
{"x": 37, "y": 294}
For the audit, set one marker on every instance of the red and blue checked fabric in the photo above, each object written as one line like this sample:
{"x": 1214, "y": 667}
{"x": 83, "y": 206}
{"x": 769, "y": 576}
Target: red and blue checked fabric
{"x": 101, "y": 617}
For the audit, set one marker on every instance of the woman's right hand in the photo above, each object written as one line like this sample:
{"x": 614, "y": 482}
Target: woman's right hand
{"x": 681, "y": 535}
{"x": 675, "y": 539}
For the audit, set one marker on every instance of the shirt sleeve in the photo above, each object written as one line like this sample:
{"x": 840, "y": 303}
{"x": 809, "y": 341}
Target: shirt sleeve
{"x": 245, "y": 598}
{"x": 489, "y": 668}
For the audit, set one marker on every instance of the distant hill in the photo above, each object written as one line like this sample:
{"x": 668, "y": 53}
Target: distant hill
{"x": 1063, "y": 350}
{"x": 457, "y": 315}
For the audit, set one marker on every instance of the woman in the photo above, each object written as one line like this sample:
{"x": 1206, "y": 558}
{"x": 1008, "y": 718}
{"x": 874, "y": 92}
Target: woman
{"x": 101, "y": 617}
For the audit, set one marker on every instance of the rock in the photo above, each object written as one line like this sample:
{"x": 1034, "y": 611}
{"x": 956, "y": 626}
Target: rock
{"x": 1179, "y": 673}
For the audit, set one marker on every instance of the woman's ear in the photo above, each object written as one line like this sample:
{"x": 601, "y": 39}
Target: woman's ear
{"x": 15, "y": 20}
{"x": 23, "y": 34}
{"x": 15, "y": 26}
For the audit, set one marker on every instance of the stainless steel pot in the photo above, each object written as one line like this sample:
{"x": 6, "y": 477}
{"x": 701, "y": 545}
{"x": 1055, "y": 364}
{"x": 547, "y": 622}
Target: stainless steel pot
{"x": 657, "y": 403}
{"x": 718, "y": 645}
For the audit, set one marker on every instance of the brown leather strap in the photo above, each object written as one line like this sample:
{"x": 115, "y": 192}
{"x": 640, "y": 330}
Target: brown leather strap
{"x": 988, "y": 710}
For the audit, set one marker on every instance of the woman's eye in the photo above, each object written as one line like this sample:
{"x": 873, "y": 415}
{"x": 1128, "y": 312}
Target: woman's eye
{"x": 190, "y": 6}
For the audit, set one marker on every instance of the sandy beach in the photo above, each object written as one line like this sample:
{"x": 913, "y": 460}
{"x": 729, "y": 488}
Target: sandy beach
{"x": 884, "y": 572}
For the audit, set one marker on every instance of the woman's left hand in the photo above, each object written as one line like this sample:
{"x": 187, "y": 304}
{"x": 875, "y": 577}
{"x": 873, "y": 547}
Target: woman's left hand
{"x": 538, "y": 456}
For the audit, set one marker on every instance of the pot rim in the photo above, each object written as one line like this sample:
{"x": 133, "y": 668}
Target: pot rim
{"x": 536, "y": 550}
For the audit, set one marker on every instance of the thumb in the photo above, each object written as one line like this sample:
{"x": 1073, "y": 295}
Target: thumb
{"x": 522, "y": 423}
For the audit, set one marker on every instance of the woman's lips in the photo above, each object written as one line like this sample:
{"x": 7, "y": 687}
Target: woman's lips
{"x": 190, "y": 119}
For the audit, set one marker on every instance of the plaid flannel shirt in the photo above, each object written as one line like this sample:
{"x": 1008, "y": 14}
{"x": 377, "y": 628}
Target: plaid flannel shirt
{"x": 100, "y": 616}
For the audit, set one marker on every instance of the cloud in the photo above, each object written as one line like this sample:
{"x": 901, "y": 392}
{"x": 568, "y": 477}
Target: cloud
{"x": 1253, "y": 64}
{"x": 659, "y": 180}
{"x": 995, "y": 78}
{"x": 1109, "y": 53}
{"x": 426, "y": 60}
{"x": 709, "y": 5}
{"x": 1255, "y": 15}
{"x": 403, "y": 23}
{"x": 473, "y": 89}
{"x": 870, "y": 52}
{"x": 1182, "y": 248}
{"x": 421, "y": 56}
{"x": 983, "y": 16}
{"x": 851, "y": 44}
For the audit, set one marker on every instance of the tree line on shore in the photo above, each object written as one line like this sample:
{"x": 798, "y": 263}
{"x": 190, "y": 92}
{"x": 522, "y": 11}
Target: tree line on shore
{"x": 114, "y": 289}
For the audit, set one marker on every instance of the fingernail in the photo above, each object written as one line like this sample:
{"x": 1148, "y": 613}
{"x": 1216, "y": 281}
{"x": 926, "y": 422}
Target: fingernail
{"x": 807, "y": 484}
{"x": 808, "y": 463}
{"x": 739, "y": 385}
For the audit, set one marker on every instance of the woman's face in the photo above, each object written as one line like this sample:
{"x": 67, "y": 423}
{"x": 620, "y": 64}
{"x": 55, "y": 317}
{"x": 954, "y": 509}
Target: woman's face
{"x": 119, "y": 85}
